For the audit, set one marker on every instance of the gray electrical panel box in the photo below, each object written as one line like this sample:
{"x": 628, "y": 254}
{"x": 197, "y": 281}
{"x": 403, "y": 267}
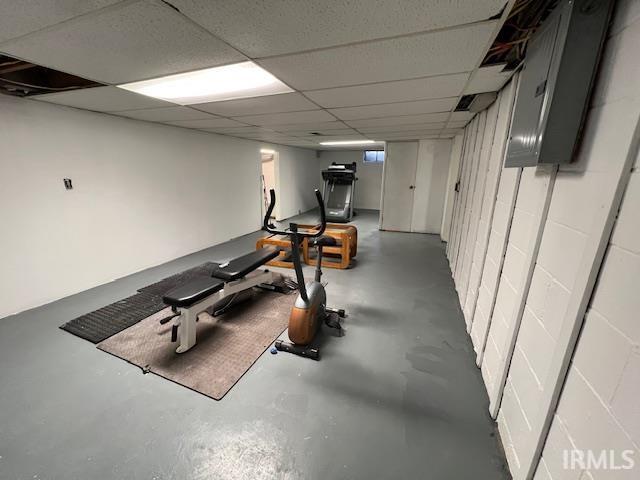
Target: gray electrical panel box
{"x": 555, "y": 83}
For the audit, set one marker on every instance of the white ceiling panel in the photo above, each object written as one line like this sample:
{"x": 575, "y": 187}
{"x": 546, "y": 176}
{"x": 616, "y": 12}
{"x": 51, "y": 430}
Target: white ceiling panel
{"x": 25, "y": 16}
{"x": 409, "y": 136}
{"x": 488, "y": 79}
{"x": 411, "y": 133}
{"x": 333, "y": 138}
{"x": 437, "y": 53}
{"x": 283, "y": 26}
{"x": 239, "y": 130}
{"x": 287, "y": 102}
{"x": 287, "y": 118}
{"x": 102, "y": 99}
{"x": 274, "y": 137}
{"x": 457, "y": 124}
{"x": 402, "y": 120}
{"x": 437, "y": 126}
{"x": 394, "y": 109}
{"x": 330, "y": 132}
{"x": 451, "y": 131}
{"x": 310, "y": 127}
{"x": 440, "y": 86}
{"x": 165, "y": 114}
{"x": 461, "y": 116}
{"x": 209, "y": 123}
{"x": 133, "y": 42}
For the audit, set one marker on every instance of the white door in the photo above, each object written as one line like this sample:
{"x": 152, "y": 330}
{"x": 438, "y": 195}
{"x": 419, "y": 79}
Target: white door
{"x": 399, "y": 176}
{"x": 430, "y": 183}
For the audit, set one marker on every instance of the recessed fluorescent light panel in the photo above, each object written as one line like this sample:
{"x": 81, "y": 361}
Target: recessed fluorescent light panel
{"x": 241, "y": 80}
{"x": 350, "y": 142}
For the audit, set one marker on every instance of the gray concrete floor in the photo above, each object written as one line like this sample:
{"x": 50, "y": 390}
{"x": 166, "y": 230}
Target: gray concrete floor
{"x": 398, "y": 396}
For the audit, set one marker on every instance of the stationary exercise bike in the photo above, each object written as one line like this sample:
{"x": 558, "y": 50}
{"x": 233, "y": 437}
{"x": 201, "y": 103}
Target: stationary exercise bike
{"x": 310, "y": 310}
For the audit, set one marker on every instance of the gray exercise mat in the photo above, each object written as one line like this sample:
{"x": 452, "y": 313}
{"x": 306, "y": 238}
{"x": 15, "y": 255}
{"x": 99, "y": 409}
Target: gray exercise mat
{"x": 226, "y": 348}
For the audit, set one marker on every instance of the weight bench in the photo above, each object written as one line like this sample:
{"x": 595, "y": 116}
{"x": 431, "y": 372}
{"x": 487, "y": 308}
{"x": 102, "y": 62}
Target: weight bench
{"x": 195, "y": 297}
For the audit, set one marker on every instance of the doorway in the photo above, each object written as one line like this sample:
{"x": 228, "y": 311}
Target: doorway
{"x": 268, "y": 176}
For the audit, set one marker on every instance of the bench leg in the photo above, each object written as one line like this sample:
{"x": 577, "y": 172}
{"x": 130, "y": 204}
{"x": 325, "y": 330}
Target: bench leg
{"x": 186, "y": 330}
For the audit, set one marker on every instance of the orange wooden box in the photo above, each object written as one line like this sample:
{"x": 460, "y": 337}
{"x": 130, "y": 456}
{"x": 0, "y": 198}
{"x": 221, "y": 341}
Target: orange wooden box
{"x": 283, "y": 242}
{"x": 339, "y": 256}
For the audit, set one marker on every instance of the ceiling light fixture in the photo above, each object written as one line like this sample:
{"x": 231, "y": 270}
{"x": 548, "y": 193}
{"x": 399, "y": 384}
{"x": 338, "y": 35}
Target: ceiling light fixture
{"x": 350, "y": 142}
{"x": 240, "y": 80}
{"x": 267, "y": 151}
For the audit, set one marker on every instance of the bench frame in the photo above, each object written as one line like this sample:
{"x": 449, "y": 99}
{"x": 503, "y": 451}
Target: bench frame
{"x": 188, "y": 316}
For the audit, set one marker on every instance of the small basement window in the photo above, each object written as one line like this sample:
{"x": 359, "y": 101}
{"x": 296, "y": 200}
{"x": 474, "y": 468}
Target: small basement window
{"x": 373, "y": 156}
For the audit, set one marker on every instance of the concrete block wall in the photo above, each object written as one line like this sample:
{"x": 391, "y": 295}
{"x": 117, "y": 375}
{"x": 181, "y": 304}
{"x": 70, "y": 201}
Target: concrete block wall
{"x": 476, "y": 195}
{"x": 533, "y": 274}
{"x": 495, "y": 153}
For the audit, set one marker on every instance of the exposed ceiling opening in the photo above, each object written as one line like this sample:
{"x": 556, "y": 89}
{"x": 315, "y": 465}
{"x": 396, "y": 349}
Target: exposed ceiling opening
{"x": 22, "y": 79}
{"x": 510, "y": 46}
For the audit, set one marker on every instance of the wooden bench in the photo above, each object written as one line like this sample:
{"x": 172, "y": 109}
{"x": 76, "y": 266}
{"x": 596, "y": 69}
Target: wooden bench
{"x": 284, "y": 259}
{"x": 339, "y": 256}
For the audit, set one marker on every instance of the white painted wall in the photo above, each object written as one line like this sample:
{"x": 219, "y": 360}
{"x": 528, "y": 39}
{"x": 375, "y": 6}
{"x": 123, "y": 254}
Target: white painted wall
{"x": 143, "y": 194}
{"x": 369, "y": 184}
{"x": 539, "y": 278}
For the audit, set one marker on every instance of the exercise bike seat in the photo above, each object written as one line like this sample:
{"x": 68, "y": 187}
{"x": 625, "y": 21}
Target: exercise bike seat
{"x": 324, "y": 241}
{"x": 192, "y": 292}
{"x": 239, "y": 267}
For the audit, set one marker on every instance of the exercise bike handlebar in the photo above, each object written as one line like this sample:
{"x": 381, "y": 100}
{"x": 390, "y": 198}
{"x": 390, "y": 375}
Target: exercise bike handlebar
{"x": 293, "y": 226}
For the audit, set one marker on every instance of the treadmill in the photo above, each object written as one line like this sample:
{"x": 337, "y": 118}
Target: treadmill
{"x": 339, "y": 190}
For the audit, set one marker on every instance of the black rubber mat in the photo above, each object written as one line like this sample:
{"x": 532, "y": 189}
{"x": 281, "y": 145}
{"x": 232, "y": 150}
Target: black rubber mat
{"x": 107, "y": 321}
{"x": 166, "y": 284}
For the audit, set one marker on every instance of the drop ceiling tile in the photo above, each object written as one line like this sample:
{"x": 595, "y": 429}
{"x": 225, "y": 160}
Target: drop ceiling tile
{"x": 461, "y": 116}
{"x": 211, "y": 122}
{"x": 165, "y": 114}
{"x": 394, "y": 109}
{"x": 334, "y": 138}
{"x": 268, "y": 138}
{"x": 287, "y": 102}
{"x": 401, "y": 120}
{"x": 239, "y": 130}
{"x": 409, "y": 136}
{"x": 21, "y": 17}
{"x": 440, "y": 86}
{"x": 412, "y": 133}
{"x": 102, "y": 99}
{"x": 287, "y": 118}
{"x": 457, "y": 124}
{"x": 310, "y": 127}
{"x": 276, "y": 27}
{"x": 437, "y": 126}
{"x": 330, "y": 131}
{"x": 436, "y": 53}
{"x": 136, "y": 41}
{"x": 488, "y": 79}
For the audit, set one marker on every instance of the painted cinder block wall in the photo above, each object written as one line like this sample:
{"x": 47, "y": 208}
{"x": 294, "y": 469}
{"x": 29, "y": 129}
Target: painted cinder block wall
{"x": 546, "y": 225}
